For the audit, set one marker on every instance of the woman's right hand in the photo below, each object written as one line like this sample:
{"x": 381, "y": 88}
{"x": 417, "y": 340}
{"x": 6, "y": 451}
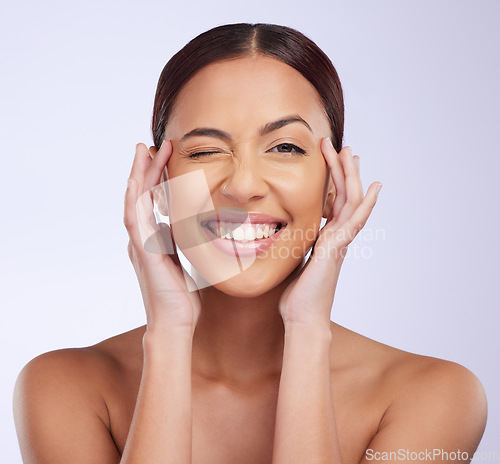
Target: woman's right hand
{"x": 168, "y": 302}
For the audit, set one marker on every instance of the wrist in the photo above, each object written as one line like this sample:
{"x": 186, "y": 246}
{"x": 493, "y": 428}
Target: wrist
{"x": 309, "y": 331}
{"x": 308, "y": 345}
{"x": 156, "y": 340}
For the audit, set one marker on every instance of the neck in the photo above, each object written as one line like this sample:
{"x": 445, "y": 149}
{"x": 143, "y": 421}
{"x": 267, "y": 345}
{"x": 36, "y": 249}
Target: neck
{"x": 239, "y": 339}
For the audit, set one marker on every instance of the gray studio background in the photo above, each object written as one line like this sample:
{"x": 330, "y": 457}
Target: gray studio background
{"x": 421, "y": 82}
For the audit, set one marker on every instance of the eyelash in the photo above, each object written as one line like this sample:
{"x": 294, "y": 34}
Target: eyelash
{"x": 297, "y": 149}
{"x": 202, "y": 153}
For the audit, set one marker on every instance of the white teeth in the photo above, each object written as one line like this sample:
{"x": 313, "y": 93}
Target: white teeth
{"x": 244, "y": 232}
{"x": 238, "y": 234}
{"x": 250, "y": 234}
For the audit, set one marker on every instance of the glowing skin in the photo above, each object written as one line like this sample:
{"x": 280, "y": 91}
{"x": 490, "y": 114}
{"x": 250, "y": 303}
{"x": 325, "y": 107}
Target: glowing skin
{"x": 239, "y": 97}
{"x": 256, "y": 372}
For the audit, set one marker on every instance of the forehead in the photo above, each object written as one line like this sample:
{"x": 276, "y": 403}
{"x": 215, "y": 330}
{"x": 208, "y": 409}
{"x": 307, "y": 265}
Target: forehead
{"x": 247, "y": 92}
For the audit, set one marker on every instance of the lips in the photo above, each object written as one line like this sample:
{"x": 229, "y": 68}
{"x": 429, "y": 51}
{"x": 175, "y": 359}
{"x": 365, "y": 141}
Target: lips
{"x": 235, "y": 231}
{"x": 238, "y": 216}
{"x": 238, "y": 243}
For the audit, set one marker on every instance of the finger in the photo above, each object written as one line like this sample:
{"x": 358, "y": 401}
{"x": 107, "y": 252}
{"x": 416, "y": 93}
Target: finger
{"x": 141, "y": 162}
{"x": 337, "y": 175}
{"x": 144, "y": 170}
{"x": 351, "y": 227}
{"x": 158, "y": 163}
{"x": 138, "y": 216}
{"x": 353, "y": 186}
{"x": 130, "y": 213}
{"x": 136, "y": 249}
{"x": 145, "y": 216}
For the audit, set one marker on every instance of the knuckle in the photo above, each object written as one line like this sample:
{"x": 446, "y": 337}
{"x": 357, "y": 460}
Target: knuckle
{"x": 353, "y": 203}
{"x": 349, "y": 203}
{"x": 358, "y": 226}
{"x": 128, "y": 221}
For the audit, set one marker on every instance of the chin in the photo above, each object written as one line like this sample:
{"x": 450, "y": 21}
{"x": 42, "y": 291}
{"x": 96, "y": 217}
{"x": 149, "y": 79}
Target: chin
{"x": 241, "y": 291}
{"x": 242, "y": 286}
{"x": 253, "y": 283}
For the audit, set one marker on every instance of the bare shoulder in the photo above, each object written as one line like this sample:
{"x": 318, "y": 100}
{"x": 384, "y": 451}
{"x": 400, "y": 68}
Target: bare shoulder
{"x": 403, "y": 371}
{"x": 84, "y": 369}
{"x": 427, "y": 400}
{"x": 61, "y": 373}
{"x": 60, "y": 400}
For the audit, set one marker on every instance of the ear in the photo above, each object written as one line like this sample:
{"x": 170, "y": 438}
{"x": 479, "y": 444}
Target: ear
{"x": 329, "y": 197}
{"x": 159, "y": 193}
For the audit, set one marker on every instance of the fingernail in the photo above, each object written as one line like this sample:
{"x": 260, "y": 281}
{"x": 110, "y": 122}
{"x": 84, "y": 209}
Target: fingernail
{"x": 379, "y": 187}
{"x": 357, "y": 161}
{"x": 329, "y": 141}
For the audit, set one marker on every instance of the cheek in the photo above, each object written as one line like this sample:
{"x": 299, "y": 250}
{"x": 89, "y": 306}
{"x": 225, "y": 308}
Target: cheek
{"x": 308, "y": 189}
{"x": 303, "y": 200}
{"x": 173, "y": 167}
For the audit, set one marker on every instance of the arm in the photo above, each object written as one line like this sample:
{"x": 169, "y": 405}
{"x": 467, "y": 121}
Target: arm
{"x": 442, "y": 407}
{"x": 61, "y": 415}
{"x": 305, "y": 421}
{"x": 161, "y": 428}
{"x": 438, "y": 416}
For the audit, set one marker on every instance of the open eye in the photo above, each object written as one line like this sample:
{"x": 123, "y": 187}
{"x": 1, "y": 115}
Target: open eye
{"x": 288, "y": 148}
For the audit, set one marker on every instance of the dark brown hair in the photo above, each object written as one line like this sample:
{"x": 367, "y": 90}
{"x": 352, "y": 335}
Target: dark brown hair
{"x": 238, "y": 40}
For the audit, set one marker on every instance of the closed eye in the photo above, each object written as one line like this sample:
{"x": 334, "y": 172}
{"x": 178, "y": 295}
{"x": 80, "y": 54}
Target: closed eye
{"x": 288, "y": 148}
{"x": 203, "y": 153}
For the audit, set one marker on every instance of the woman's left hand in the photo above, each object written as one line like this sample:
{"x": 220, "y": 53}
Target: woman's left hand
{"x": 309, "y": 297}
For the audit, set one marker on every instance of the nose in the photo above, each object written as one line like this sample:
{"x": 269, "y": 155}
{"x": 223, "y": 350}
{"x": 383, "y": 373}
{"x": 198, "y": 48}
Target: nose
{"x": 245, "y": 181}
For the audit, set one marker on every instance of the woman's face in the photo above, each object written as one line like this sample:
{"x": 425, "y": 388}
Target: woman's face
{"x": 227, "y": 153}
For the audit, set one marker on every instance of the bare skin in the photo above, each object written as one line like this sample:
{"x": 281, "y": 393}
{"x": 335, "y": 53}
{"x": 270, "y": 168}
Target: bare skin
{"x": 250, "y": 370}
{"x": 230, "y": 415}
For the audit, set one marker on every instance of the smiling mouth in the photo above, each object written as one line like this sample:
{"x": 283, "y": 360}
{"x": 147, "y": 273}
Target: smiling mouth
{"x": 243, "y": 232}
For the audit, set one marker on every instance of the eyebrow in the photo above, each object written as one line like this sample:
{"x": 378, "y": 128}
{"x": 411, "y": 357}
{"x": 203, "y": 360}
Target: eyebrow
{"x": 268, "y": 128}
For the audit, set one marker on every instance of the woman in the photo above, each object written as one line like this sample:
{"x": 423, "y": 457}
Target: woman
{"x": 241, "y": 363}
